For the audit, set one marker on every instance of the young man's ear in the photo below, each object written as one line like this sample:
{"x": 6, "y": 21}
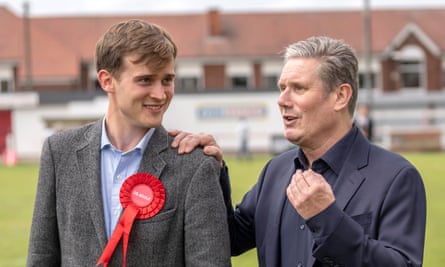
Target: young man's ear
{"x": 105, "y": 80}
{"x": 343, "y": 95}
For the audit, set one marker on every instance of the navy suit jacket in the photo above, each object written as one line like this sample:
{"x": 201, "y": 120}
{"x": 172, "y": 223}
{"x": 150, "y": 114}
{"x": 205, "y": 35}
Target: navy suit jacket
{"x": 380, "y": 198}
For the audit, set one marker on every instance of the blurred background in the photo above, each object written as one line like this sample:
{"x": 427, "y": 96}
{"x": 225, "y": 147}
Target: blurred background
{"x": 227, "y": 68}
{"x": 228, "y": 65}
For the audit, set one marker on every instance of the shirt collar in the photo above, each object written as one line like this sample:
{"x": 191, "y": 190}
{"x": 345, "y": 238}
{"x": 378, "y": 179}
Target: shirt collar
{"x": 334, "y": 158}
{"x": 141, "y": 146}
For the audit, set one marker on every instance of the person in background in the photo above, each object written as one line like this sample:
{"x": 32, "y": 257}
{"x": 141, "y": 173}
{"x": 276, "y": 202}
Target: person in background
{"x": 82, "y": 170}
{"x": 364, "y": 121}
{"x": 243, "y": 133}
{"x": 336, "y": 199}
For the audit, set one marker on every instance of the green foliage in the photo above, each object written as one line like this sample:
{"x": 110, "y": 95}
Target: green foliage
{"x": 18, "y": 184}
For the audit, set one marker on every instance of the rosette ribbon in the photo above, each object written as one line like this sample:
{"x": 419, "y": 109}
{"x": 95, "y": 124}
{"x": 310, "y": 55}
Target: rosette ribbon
{"x": 142, "y": 196}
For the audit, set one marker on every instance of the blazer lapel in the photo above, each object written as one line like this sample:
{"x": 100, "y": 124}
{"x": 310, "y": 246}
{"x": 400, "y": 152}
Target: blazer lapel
{"x": 151, "y": 160}
{"x": 88, "y": 157}
{"x": 347, "y": 185}
{"x": 350, "y": 178}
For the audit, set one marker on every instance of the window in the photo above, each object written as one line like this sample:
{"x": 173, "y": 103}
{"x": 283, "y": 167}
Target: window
{"x": 238, "y": 74}
{"x": 361, "y": 81}
{"x": 411, "y": 60}
{"x": 4, "y": 86}
{"x": 238, "y": 82}
{"x": 410, "y": 73}
{"x": 187, "y": 84}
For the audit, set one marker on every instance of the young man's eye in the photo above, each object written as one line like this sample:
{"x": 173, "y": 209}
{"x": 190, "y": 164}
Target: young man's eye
{"x": 145, "y": 80}
{"x": 167, "y": 81}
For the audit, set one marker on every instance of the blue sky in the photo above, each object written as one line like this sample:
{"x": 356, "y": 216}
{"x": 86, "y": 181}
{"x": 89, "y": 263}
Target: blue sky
{"x": 88, "y": 7}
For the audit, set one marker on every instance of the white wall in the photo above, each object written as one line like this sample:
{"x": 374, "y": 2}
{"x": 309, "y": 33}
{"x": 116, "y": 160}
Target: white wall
{"x": 184, "y": 113}
{"x": 218, "y": 114}
{"x": 264, "y": 119}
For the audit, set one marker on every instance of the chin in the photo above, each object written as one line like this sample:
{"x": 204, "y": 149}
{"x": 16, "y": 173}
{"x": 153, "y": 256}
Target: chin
{"x": 150, "y": 125}
{"x": 292, "y": 137}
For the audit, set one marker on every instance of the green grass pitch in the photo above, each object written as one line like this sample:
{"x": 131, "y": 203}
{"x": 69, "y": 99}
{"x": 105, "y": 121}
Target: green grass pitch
{"x": 17, "y": 191}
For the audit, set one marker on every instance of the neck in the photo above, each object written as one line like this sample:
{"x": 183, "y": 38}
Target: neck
{"x": 317, "y": 150}
{"x": 124, "y": 138}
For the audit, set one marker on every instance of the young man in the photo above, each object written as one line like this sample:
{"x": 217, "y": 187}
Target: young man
{"x": 337, "y": 199}
{"x": 83, "y": 172}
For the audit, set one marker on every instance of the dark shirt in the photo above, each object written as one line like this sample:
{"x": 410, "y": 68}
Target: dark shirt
{"x": 300, "y": 237}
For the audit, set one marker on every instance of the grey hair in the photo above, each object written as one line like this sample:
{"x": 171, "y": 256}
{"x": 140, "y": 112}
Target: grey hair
{"x": 338, "y": 63}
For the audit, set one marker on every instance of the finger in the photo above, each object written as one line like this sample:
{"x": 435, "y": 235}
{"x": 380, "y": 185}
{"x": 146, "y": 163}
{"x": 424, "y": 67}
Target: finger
{"x": 302, "y": 180}
{"x": 295, "y": 177}
{"x": 314, "y": 178}
{"x": 296, "y": 189}
{"x": 206, "y": 140}
{"x": 188, "y": 143}
{"x": 290, "y": 194}
{"x": 179, "y": 138}
{"x": 214, "y": 151}
{"x": 294, "y": 186}
{"x": 173, "y": 132}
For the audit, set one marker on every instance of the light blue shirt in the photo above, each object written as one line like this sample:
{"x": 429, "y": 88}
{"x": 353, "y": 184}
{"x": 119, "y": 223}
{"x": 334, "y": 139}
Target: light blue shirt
{"x": 116, "y": 166}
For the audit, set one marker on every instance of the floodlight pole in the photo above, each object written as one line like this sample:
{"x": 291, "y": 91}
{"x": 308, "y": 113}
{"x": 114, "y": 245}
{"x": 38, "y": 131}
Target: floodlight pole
{"x": 27, "y": 47}
{"x": 367, "y": 50}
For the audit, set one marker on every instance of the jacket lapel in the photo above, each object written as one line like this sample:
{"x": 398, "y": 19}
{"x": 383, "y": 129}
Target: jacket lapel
{"x": 88, "y": 157}
{"x": 350, "y": 177}
{"x": 151, "y": 161}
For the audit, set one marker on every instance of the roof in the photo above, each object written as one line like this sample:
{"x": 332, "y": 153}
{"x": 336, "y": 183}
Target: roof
{"x": 59, "y": 44}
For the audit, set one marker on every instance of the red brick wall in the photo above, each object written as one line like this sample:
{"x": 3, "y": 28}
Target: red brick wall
{"x": 214, "y": 76}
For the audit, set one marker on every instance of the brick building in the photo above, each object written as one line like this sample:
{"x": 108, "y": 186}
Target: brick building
{"x": 218, "y": 52}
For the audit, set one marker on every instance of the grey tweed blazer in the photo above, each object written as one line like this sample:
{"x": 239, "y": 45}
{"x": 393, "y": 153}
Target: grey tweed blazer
{"x": 68, "y": 227}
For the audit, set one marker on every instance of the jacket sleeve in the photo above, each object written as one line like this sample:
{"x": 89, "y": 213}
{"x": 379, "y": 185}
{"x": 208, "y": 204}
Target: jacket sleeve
{"x": 400, "y": 229}
{"x": 207, "y": 241}
{"x": 44, "y": 249}
{"x": 241, "y": 220}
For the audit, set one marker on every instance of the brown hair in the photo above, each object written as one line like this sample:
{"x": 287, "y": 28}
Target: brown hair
{"x": 151, "y": 43}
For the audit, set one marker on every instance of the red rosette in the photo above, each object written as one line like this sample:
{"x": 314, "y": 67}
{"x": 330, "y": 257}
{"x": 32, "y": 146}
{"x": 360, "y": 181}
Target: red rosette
{"x": 142, "y": 196}
{"x": 144, "y": 192}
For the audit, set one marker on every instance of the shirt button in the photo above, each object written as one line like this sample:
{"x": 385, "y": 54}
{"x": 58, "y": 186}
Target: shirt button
{"x": 115, "y": 212}
{"x": 302, "y": 226}
{"x": 119, "y": 177}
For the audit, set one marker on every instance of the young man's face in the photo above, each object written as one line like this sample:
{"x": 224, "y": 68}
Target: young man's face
{"x": 141, "y": 95}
